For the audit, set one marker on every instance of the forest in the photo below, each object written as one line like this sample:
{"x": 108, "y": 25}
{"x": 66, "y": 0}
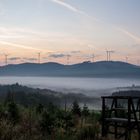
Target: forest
{"x": 32, "y": 96}
{"x": 47, "y": 122}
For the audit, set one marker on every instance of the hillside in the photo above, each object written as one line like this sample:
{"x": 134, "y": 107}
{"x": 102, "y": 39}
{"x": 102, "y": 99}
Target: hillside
{"x": 32, "y": 96}
{"x": 85, "y": 69}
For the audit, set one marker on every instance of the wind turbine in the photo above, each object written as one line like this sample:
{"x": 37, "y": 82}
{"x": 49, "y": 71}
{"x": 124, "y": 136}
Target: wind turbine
{"x": 92, "y": 53}
{"x": 68, "y": 59}
{"x": 6, "y": 59}
{"x": 109, "y": 54}
{"x": 126, "y": 58}
{"x": 39, "y": 56}
{"x": 93, "y": 57}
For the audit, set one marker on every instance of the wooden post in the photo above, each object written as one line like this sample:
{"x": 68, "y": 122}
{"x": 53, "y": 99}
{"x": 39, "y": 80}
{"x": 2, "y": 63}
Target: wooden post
{"x": 103, "y": 117}
{"x": 116, "y": 115}
{"x": 129, "y": 120}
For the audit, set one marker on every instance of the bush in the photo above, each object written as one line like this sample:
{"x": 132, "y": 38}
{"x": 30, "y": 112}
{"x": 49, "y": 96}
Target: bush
{"x": 88, "y": 133}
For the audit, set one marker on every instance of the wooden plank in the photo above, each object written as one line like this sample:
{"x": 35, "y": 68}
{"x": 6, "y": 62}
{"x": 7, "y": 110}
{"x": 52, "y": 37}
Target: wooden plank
{"x": 121, "y": 120}
{"x": 121, "y": 97}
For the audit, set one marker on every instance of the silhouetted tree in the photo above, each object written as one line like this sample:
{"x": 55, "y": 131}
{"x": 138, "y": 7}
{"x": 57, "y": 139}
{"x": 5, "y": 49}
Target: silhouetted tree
{"x": 85, "y": 114}
{"x": 39, "y": 108}
{"x": 13, "y": 112}
{"x": 76, "y": 109}
{"x": 47, "y": 123}
{"x": 85, "y": 111}
{"x": 9, "y": 97}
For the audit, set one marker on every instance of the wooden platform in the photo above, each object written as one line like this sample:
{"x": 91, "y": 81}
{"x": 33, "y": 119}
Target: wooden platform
{"x": 119, "y": 120}
{"x": 120, "y": 112}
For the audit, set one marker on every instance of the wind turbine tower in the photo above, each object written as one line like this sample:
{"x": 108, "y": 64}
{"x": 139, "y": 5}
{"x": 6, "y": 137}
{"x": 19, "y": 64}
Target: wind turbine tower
{"x": 39, "y": 56}
{"x": 93, "y": 57}
{"x": 126, "y": 58}
{"x": 6, "y": 59}
{"x": 109, "y": 55}
{"x": 68, "y": 59}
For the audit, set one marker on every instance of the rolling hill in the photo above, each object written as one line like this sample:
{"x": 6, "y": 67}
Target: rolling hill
{"x": 85, "y": 69}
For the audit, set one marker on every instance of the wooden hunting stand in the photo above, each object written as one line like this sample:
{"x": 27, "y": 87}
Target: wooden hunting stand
{"x": 120, "y": 116}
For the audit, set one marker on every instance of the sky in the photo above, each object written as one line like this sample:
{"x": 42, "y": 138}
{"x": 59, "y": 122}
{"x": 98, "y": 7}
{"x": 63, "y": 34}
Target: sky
{"x": 69, "y": 31}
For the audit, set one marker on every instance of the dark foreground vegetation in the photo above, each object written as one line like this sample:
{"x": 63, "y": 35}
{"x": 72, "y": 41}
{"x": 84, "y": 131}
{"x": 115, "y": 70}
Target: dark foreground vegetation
{"x": 47, "y": 122}
{"x": 35, "y": 114}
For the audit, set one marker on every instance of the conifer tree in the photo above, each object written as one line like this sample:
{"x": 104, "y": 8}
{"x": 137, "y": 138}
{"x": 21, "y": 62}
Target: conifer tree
{"x": 76, "y": 109}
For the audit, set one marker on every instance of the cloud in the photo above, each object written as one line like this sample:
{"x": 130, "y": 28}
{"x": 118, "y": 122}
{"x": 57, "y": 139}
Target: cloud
{"x": 19, "y": 46}
{"x": 30, "y": 59}
{"x": 14, "y": 58}
{"x": 129, "y": 34}
{"x": 10, "y": 36}
{"x": 11, "y": 32}
{"x": 76, "y": 10}
{"x": 68, "y": 6}
{"x": 57, "y": 55}
{"x": 74, "y": 52}
{"x": 136, "y": 45}
{"x": 73, "y": 9}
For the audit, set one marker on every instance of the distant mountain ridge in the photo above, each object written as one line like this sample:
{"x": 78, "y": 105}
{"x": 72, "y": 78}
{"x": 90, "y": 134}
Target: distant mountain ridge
{"x": 85, "y": 69}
